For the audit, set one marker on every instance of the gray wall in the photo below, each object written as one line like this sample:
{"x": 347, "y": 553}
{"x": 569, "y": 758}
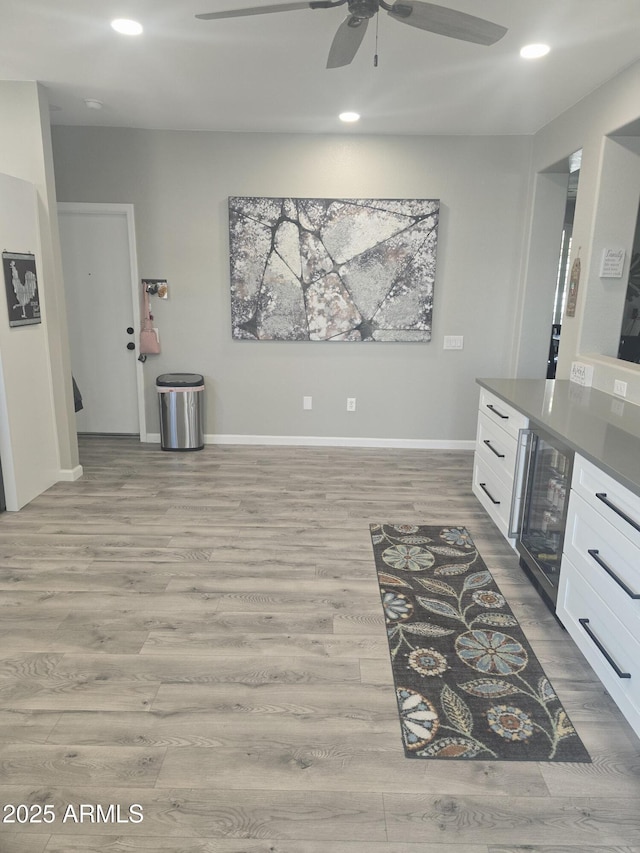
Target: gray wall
{"x": 606, "y": 126}
{"x": 28, "y": 437}
{"x": 37, "y": 427}
{"x": 179, "y": 183}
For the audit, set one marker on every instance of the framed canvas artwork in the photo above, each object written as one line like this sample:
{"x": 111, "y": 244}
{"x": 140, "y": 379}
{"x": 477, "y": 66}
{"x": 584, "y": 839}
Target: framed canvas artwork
{"x": 320, "y": 269}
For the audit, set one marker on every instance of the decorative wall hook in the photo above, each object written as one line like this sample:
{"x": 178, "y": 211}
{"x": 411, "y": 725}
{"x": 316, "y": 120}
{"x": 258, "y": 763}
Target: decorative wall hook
{"x": 156, "y": 287}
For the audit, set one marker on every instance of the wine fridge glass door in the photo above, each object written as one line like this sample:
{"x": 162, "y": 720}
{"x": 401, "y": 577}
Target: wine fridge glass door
{"x": 546, "y": 493}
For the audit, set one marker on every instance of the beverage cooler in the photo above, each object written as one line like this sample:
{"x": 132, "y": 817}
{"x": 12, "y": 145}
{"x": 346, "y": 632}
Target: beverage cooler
{"x": 546, "y": 467}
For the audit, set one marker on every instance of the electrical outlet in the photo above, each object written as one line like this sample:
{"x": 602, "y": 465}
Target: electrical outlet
{"x": 351, "y": 404}
{"x": 307, "y": 402}
{"x": 620, "y": 388}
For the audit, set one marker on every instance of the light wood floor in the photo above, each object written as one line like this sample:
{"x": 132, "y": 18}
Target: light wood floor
{"x": 201, "y": 634}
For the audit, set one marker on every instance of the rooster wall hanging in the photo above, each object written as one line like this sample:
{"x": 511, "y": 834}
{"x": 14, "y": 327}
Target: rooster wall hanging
{"x": 21, "y": 285}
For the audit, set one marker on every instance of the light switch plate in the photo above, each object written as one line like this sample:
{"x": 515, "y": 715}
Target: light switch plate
{"x": 453, "y": 342}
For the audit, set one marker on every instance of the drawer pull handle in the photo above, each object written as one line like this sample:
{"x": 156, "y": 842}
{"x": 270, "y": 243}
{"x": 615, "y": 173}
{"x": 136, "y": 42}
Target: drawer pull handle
{"x": 609, "y": 659}
{"x": 602, "y": 496}
{"x": 593, "y": 552}
{"x": 496, "y": 412}
{"x": 492, "y": 449}
{"x": 484, "y": 488}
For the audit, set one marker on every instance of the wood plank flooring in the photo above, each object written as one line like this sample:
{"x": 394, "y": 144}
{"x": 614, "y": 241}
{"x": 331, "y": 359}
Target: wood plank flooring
{"x": 200, "y": 634}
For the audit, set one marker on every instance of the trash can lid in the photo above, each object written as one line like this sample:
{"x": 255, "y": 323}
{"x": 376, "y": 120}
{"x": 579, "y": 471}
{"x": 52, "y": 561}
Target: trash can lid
{"x": 180, "y": 380}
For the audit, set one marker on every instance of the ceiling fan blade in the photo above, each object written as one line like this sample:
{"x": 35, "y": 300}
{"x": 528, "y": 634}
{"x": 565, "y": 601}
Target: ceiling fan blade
{"x": 266, "y": 10}
{"x": 446, "y": 22}
{"x": 255, "y": 10}
{"x": 346, "y": 41}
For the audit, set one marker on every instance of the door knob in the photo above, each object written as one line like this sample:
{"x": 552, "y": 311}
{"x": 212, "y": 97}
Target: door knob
{"x": 131, "y": 345}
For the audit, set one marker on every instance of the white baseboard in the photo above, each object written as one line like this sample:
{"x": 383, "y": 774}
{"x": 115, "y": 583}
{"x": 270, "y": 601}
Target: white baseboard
{"x": 333, "y": 441}
{"x": 68, "y": 475}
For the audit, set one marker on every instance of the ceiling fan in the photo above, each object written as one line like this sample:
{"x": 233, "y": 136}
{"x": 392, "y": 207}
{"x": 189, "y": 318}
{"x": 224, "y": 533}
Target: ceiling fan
{"x": 424, "y": 16}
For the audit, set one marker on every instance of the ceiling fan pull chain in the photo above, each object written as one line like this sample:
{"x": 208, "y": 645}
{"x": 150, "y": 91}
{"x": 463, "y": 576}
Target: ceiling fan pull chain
{"x": 375, "y": 57}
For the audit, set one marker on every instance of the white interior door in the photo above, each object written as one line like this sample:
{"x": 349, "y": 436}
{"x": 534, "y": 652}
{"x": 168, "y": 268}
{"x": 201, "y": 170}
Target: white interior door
{"x": 102, "y": 316}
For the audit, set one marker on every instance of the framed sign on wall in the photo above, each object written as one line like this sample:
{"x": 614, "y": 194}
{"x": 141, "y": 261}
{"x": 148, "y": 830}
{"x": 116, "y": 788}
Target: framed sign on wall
{"x": 21, "y": 285}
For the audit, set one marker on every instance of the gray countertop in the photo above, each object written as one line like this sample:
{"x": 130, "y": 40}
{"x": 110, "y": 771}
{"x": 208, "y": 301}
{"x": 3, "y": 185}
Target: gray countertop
{"x": 602, "y": 428}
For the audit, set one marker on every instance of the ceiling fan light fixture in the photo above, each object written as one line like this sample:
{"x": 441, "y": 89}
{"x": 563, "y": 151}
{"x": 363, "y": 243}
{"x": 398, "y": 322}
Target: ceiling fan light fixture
{"x": 126, "y": 27}
{"x": 349, "y": 117}
{"x": 534, "y": 51}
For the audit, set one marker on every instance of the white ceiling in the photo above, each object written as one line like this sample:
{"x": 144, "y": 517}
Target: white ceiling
{"x": 267, "y": 73}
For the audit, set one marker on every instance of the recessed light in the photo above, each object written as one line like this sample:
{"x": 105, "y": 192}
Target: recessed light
{"x": 349, "y": 116}
{"x": 534, "y": 51}
{"x": 126, "y": 27}
{"x": 93, "y": 103}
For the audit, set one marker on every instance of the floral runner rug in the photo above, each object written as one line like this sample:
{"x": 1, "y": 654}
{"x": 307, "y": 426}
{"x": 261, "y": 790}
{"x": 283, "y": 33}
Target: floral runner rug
{"x": 468, "y": 684}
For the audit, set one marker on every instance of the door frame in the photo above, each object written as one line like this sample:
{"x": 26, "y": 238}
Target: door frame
{"x": 112, "y": 209}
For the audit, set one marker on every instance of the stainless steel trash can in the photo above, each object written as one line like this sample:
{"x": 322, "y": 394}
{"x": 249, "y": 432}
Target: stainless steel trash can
{"x": 181, "y": 417}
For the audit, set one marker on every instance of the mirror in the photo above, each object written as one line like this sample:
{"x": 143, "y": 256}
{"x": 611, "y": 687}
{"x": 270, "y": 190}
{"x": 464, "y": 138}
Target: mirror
{"x": 629, "y": 349}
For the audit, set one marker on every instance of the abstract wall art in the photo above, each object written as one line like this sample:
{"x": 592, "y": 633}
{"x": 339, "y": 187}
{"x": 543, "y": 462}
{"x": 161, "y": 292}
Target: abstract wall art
{"x": 321, "y": 269}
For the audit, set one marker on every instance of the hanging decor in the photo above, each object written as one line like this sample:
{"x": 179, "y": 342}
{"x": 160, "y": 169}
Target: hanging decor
{"x": 574, "y": 283}
{"x": 319, "y": 269}
{"x": 21, "y": 285}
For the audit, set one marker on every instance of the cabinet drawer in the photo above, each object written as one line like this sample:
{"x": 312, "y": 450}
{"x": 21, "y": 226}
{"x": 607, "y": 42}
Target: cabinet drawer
{"x": 609, "y": 562}
{"x": 497, "y": 447}
{"x": 602, "y": 639}
{"x": 493, "y": 493}
{"x": 502, "y": 414}
{"x": 615, "y": 502}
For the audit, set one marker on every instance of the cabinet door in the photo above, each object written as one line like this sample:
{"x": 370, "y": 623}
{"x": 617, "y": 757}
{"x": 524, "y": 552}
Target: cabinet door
{"x": 611, "y": 650}
{"x": 619, "y": 506}
{"x": 493, "y": 493}
{"x": 502, "y": 414}
{"x": 607, "y": 560}
{"x": 497, "y": 447}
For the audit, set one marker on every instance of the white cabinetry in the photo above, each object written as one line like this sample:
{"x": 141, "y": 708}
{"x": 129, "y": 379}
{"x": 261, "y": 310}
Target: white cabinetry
{"x": 599, "y": 593}
{"x": 495, "y": 457}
